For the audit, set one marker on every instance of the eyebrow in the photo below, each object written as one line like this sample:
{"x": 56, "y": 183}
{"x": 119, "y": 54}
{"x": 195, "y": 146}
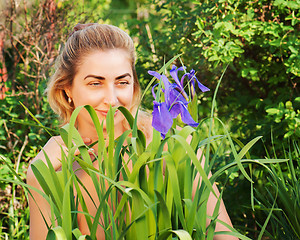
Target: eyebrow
{"x": 103, "y": 78}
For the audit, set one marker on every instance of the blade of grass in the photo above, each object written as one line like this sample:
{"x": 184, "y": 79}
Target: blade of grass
{"x": 56, "y": 233}
{"x": 66, "y": 210}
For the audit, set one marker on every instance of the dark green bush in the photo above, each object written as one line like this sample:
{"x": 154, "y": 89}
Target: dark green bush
{"x": 259, "y": 40}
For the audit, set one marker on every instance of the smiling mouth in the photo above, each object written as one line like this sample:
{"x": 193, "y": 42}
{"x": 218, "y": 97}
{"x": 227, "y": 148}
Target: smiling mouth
{"x": 104, "y": 113}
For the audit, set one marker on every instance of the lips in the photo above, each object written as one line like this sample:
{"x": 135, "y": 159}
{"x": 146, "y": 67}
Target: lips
{"x": 104, "y": 112}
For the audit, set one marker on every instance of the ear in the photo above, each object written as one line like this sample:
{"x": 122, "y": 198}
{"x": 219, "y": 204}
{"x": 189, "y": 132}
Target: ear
{"x": 68, "y": 92}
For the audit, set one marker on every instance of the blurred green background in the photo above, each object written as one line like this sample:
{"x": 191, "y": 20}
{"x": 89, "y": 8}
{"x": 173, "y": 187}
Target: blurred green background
{"x": 259, "y": 94}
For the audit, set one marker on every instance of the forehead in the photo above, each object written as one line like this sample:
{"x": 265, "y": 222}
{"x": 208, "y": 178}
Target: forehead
{"x": 108, "y": 62}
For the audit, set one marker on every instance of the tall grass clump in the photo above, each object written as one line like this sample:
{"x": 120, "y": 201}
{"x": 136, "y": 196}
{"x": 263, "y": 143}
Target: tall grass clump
{"x": 283, "y": 189}
{"x": 14, "y": 214}
{"x": 153, "y": 198}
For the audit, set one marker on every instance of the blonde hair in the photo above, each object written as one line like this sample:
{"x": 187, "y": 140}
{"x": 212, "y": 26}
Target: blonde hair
{"x": 84, "y": 39}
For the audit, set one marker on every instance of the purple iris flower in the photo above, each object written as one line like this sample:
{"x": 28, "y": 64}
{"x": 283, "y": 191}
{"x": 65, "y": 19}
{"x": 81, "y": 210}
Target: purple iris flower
{"x": 176, "y": 100}
{"x": 191, "y": 80}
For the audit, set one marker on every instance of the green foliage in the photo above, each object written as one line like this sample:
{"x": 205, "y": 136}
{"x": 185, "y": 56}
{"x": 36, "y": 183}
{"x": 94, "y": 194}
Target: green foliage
{"x": 286, "y": 118}
{"x": 160, "y": 200}
{"x": 260, "y": 41}
{"x": 14, "y": 215}
{"x": 285, "y": 192}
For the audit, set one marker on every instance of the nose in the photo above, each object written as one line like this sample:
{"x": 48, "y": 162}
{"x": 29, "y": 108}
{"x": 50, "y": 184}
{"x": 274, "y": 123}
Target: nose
{"x": 111, "y": 97}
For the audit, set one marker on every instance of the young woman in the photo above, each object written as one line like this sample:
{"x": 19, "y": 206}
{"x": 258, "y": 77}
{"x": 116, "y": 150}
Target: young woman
{"x": 96, "y": 67}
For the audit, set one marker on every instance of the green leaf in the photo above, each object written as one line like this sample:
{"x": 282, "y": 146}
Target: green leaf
{"x": 164, "y": 215}
{"x": 66, "y": 210}
{"x": 138, "y": 209}
{"x": 173, "y": 179}
{"x": 76, "y": 233}
{"x": 39, "y": 123}
{"x": 182, "y": 234}
{"x": 272, "y": 111}
{"x": 56, "y": 233}
{"x": 194, "y": 159}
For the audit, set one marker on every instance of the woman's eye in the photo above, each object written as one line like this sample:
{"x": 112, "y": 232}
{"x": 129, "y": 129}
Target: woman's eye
{"x": 95, "y": 84}
{"x": 123, "y": 82}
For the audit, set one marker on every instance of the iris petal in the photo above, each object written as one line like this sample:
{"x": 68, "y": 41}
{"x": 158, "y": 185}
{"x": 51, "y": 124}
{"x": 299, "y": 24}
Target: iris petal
{"x": 175, "y": 110}
{"x": 186, "y": 116}
{"x": 202, "y": 87}
{"x": 192, "y": 77}
{"x": 174, "y": 74}
{"x": 165, "y": 81}
{"x": 174, "y": 96}
{"x": 153, "y": 93}
{"x": 162, "y": 120}
{"x": 155, "y": 74}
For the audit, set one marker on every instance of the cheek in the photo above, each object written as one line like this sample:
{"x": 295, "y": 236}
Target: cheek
{"x": 87, "y": 98}
{"x": 127, "y": 98}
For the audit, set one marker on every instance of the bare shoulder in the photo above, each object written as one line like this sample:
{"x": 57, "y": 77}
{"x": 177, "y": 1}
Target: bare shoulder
{"x": 145, "y": 124}
{"x": 53, "y": 150}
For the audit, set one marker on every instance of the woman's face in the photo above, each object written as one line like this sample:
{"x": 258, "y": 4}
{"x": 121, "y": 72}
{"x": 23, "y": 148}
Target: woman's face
{"x": 104, "y": 78}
